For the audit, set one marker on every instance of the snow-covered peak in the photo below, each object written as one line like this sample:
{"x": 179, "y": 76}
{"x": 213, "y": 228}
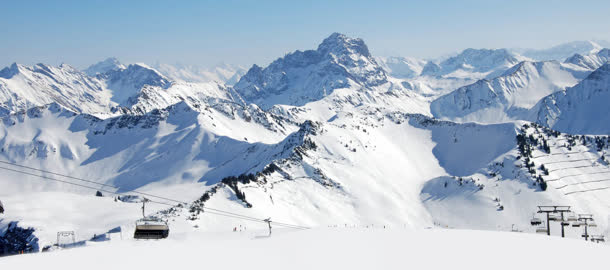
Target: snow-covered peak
{"x": 508, "y": 96}
{"x": 23, "y": 87}
{"x": 9, "y": 71}
{"x": 590, "y": 61}
{"x": 304, "y": 76}
{"x": 339, "y": 44}
{"x": 126, "y": 83}
{"x": 470, "y": 62}
{"x": 582, "y": 109}
{"x": 110, "y": 64}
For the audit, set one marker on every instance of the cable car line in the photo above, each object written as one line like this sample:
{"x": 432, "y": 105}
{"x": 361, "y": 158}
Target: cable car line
{"x": 209, "y": 210}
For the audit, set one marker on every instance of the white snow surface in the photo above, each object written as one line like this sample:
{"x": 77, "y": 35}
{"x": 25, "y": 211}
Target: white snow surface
{"x": 333, "y": 248}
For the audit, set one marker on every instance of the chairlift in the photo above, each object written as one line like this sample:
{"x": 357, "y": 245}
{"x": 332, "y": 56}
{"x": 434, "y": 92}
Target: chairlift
{"x": 592, "y": 224}
{"x": 554, "y": 218}
{"x": 151, "y": 228}
{"x": 565, "y": 223}
{"x": 572, "y": 218}
{"x": 576, "y": 224}
{"x": 535, "y": 221}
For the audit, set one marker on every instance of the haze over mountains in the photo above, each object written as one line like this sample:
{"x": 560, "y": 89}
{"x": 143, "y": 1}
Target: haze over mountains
{"x": 331, "y": 135}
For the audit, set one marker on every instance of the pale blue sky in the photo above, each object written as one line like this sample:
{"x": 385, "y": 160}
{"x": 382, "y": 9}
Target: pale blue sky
{"x": 247, "y": 32}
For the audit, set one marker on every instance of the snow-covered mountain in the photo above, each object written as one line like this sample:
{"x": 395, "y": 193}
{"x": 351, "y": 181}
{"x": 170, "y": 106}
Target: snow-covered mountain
{"x": 127, "y": 82}
{"x": 110, "y": 64}
{"x": 24, "y": 87}
{"x": 305, "y": 76}
{"x": 563, "y": 51}
{"x": 508, "y": 96}
{"x": 473, "y": 63}
{"x": 590, "y": 61}
{"x": 318, "y": 137}
{"x": 223, "y": 73}
{"x": 582, "y": 109}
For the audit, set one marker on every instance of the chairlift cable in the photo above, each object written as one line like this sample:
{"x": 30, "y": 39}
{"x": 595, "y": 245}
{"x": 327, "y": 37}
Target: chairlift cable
{"x": 221, "y": 212}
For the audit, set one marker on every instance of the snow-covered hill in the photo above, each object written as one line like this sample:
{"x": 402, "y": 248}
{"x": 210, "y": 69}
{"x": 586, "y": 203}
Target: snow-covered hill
{"x": 508, "y": 96}
{"x": 582, "y": 109}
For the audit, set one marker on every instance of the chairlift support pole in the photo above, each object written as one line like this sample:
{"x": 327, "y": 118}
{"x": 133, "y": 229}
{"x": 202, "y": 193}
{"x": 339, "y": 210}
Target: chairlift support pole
{"x": 586, "y": 218}
{"x": 553, "y": 209}
{"x": 144, "y": 201}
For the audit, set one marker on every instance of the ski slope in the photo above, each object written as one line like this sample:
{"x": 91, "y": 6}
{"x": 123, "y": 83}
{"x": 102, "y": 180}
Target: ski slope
{"x": 330, "y": 248}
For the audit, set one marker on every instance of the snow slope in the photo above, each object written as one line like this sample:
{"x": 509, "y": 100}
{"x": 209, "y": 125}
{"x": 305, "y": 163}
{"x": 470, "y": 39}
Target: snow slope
{"x": 505, "y": 193}
{"x": 23, "y": 87}
{"x": 581, "y": 109}
{"x": 508, "y": 96}
{"x": 335, "y": 248}
{"x": 590, "y": 61}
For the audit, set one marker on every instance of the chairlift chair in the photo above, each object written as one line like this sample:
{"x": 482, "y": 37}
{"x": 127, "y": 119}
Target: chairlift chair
{"x": 535, "y": 221}
{"x": 592, "y": 224}
{"x": 572, "y": 218}
{"x": 151, "y": 228}
{"x": 576, "y": 224}
{"x": 565, "y": 223}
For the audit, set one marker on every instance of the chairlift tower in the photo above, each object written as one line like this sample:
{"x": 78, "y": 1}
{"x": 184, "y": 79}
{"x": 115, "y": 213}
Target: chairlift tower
{"x": 554, "y": 209}
{"x": 144, "y": 201}
{"x": 587, "y": 221}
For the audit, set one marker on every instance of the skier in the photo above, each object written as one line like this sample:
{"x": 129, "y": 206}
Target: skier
{"x": 1, "y": 208}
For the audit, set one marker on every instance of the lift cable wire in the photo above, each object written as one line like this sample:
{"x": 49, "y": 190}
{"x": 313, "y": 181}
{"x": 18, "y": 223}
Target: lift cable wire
{"x": 210, "y": 210}
{"x": 136, "y": 192}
